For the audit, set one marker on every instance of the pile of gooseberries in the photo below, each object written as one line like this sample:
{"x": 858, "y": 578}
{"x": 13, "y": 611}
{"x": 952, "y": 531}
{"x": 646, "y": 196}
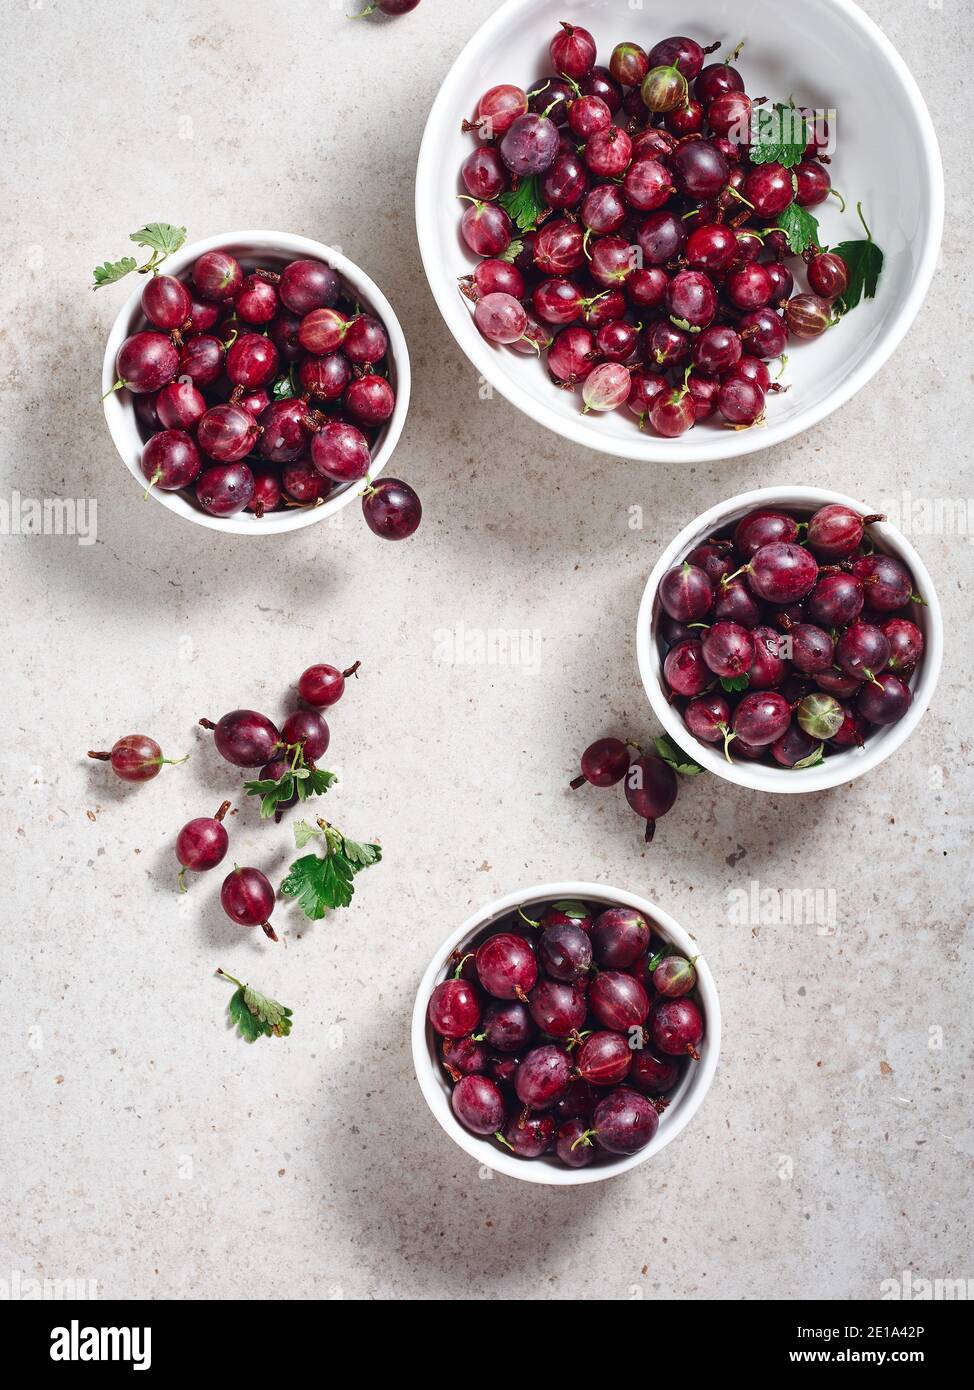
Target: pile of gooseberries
{"x": 564, "y": 1034}
{"x": 637, "y": 228}
{"x": 789, "y": 636}
{"x": 261, "y": 390}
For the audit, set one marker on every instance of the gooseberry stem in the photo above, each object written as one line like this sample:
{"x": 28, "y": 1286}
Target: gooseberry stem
{"x": 462, "y": 962}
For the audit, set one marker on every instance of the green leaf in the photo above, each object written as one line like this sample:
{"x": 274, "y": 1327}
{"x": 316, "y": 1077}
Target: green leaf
{"x": 814, "y": 758}
{"x": 360, "y": 856}
{"x": 572, "y": 908}
{"x": 678, "y": 760}
{"x": 111, "y": 271}
{"x": 659, "y": 957}
{"x": 161, "y": 237}
{"x": 271, "y": 792}
{"x": 261, "y": 787}
{"x": 256, "y": 1015}
{"x": 319, "y": 884}
{"x": 313, "y": 885}
{"x": 734, "y": 682}
{"x": 304, "y": 833}
{"x": 242, "y": 1017}
{"x": 513, "y": 251}
{"x": 336, "y": 880}
{"x": 300, "y": 780}
{"x": 524, "y": 204}
{"x": 778, "y": 136}
{"x": 316, "y": 782}
{"x": 800, "y": 227}
{"x": 276, "y": 1019}
{"x": 285, "y": 387}
{"x": 323, "y": 882}
{"x": 865, "y": 262}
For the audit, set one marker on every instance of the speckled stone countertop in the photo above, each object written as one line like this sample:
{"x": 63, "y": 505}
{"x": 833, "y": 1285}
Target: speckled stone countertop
{"x": 143, "y": 1142}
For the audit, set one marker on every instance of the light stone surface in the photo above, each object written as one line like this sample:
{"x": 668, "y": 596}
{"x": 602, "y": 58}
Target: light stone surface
{"x": 147, "y": 1148}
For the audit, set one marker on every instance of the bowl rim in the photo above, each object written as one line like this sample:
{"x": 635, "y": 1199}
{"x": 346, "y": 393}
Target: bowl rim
{"x": 120, "y": 413}
{"x": 480, "y": 1149}
{"x": 839, "y": 767}
{"x": 723, "y": 444}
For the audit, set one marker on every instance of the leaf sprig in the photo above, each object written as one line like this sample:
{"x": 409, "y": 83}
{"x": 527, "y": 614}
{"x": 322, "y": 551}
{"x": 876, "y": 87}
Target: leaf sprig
{"x": 779, "y": 136}
{"x": 571, "y": 907}
{"x": 734, "y": 683}
{"x": 256, "y": 1015}
{"x": 661, "y": 955}
{"x": 865, "y": 262}
{"x": 285, "y": 387}
{"x": 111, "y": 271}
{"x": 300, "y": 779}
{"x": 322, "y": 882}
{"x": 525, "y": 205}
{"x": 815, "y": 758}
{"x": 799, "y": 226}
{"x": 675, "y": 757}
{"x": 161, "y": 238}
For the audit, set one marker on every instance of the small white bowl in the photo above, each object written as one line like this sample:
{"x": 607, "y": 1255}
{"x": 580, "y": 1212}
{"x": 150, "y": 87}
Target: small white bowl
{"x": 829, "y": 54}
{"x": 685, "y": 1100}
{"x": 839, "y": 766}
{"x": 273, "y": 250}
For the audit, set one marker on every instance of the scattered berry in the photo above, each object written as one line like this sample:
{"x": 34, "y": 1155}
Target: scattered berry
{"x": 136, "y": 758}
{"x": 202, "y": 843}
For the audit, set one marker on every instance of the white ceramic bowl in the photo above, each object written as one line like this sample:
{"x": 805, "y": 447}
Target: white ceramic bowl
{"x": 685, "y": 1100}
{"x": 828, "y": 54}
{"x": 838, "y": 767}
{"x": 271, "y": 250}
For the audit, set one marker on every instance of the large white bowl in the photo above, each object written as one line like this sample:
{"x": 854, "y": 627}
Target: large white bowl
{"x": 685, "y": 1101}
{"x": 272, "y": 250}
{"x": 840, "y": 766}
{"x": 826, "y": 53}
